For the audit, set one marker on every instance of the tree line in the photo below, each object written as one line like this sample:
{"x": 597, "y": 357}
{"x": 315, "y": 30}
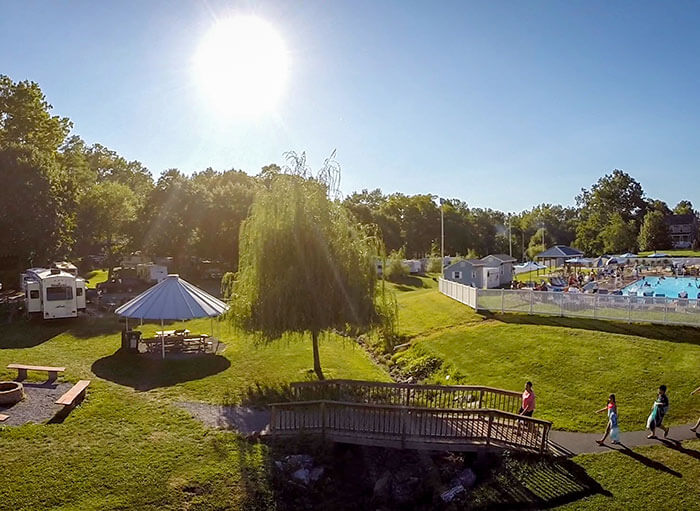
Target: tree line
{"x": 64, "y": 199}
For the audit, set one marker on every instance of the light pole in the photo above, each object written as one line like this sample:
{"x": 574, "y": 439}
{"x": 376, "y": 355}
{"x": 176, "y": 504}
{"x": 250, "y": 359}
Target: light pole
{"x": 510, "y": 238}
{"x": 442, "y": 237}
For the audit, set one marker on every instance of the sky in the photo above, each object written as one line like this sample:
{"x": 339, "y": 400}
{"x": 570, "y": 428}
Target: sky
{"x": 502, "y": 104}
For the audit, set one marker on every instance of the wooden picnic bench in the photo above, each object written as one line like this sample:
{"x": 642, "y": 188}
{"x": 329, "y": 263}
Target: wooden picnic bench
{"x": 23, "y": 368}
{"x": 74, "y": 394}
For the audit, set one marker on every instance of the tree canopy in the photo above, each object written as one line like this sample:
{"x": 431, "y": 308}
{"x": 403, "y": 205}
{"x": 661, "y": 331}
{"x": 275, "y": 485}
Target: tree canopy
{"x": 305, "y": 265}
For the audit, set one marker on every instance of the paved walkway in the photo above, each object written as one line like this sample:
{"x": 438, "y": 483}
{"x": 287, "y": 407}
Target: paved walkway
{"x": 579, "y": 443}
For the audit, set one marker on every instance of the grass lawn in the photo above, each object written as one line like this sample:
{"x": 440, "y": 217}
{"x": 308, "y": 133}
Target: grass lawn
{"x": 676, "y": 253}
{"x": 423, "y": 309}
{"x": 573, "y": 364}
{"x": 655, "y": 477}
{"x": 126, "y": 446}
{"x": 96, "y": 277}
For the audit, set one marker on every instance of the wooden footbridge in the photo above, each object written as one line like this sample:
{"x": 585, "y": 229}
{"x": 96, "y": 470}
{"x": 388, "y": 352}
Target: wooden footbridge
{"x": 435, "y": 417}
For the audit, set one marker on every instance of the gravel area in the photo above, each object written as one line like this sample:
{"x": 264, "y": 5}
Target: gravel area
{"x": 243, "y": 419}
{"x": 38, "y": 405}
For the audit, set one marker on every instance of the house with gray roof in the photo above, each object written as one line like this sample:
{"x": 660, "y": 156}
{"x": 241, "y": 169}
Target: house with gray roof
{"x": 488, "y": 272}
{"x": 683, "y": 230}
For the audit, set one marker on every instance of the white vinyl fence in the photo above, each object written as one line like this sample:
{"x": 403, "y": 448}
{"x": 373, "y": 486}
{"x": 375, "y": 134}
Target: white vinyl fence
{"x": 672, "y": 311}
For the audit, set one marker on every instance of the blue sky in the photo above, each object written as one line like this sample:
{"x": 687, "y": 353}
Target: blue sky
{"x": 501, "y": 104}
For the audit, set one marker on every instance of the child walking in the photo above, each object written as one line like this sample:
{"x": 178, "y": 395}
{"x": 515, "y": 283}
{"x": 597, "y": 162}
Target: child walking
{"x": 612, "y": 428}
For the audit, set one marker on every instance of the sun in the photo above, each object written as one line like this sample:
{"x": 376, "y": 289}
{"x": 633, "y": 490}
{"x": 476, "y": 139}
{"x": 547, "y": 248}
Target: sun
{"x": 241, "y": 66}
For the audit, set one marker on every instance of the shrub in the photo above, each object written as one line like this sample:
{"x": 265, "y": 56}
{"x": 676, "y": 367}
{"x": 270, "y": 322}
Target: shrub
{"x": 395, "y": 270}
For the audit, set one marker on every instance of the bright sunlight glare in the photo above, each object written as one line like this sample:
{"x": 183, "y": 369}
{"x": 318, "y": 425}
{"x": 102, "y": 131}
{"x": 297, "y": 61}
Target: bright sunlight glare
{"x": 241, "y": 66}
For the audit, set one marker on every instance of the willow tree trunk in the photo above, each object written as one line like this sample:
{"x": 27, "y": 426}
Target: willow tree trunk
{"x": 317, "y": 358}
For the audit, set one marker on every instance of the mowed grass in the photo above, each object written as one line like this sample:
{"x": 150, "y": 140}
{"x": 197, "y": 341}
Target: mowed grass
{"x": 657, "y": 477}
{"x": 96, "y": 277}
{"x": 574, "y": 364}
{"x": 127, "y": 446}
{"x": 423, "y": 309}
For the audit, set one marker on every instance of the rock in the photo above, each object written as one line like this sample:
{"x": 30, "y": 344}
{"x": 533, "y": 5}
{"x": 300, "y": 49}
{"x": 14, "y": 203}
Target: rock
{"x": 279, "y": 465}
{"x": 302, "y": 475}
{"x": 382, "y": 488}
{"x": 296, "y": 461}
{"x": 317, "y": 473}
{"x": 449, "y": 495}
{"x": 405, "y": 490}
{"x": 466, "y": 478}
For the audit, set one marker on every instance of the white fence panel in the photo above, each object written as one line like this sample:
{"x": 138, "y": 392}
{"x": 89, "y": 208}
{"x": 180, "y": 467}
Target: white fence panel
{"x": 646, "y": 309}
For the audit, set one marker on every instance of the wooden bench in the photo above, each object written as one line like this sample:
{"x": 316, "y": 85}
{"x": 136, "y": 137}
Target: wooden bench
{"x": 22, "y": 370}
{"x": 75, "y": 393}
{"x": 3, "y": 417}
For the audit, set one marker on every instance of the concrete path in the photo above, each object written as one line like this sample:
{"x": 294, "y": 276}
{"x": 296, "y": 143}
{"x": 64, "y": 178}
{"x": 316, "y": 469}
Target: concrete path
{"x": 579, "y": 443}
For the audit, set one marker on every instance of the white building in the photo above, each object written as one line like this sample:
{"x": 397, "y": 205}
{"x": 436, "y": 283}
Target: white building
{"x": 151, "y": 272}
{"x": 52, "y": 293}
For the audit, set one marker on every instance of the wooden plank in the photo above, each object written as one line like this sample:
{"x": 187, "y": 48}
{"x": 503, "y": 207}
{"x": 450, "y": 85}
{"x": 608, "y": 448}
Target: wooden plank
{"x": 3, "y": 417}
{"x": 36, "y": 368}
{"x": 76, "y": 390}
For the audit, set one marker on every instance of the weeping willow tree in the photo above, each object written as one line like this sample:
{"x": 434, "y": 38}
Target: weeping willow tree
{"x": 306, "y": 265}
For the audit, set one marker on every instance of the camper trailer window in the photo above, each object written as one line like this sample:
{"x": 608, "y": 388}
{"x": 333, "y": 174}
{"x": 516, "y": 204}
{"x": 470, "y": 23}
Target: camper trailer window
{"x": 79, "y": 291}
{"x": 34, "y": 294}
{"x": 58, "y": 293}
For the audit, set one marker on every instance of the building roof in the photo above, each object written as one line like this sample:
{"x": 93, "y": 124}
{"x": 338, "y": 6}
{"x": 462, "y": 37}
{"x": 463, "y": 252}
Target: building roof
{"x": 173, "y": 298}
{"x": 559, "y": 251}
{"x": 504, "y": 258}
{"x": 681, "y": 219}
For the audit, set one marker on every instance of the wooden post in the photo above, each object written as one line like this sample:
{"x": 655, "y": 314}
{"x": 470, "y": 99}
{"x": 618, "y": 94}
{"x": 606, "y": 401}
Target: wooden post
{"x": 402, "y": 420}
{"x": 273, "y": 417}
{"x": 488, "y": 431}
{"x": 408, "y": 396}
{"x": 323, "y": 420}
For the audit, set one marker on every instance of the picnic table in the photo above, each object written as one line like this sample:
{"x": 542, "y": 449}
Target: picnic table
{"x": 181, "y": 343}
{"x": 169, "y": 333}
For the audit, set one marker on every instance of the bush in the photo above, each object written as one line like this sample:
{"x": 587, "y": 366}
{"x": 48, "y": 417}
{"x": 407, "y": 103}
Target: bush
{"x": 417, "y": 365}
{"x": 395, "y": 270}
{"x": 435, "y": 265}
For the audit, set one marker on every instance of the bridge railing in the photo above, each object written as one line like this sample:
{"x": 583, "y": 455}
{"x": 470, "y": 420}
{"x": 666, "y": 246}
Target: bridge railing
{"x": 406, "y": 394}
{"x": 407, "y": 426}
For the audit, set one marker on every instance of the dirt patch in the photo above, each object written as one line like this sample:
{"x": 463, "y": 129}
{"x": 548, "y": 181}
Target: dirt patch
{"x": 38, "y": 405}
{"x": 243, "y": 419}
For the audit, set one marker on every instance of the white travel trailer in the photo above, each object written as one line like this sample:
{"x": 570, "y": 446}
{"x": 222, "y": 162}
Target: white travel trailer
{"x": 151, "y": 272}
{"x": 52, "y": 293}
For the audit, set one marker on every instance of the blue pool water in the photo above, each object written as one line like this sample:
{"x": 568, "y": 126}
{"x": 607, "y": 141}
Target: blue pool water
{"x": 667, "y": 286}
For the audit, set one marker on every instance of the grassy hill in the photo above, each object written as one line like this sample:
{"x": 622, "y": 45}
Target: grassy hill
{"x": 129, "y": 447}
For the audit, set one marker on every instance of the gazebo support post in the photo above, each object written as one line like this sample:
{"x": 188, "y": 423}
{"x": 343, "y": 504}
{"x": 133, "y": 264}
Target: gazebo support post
{"x": 162, "y": 338}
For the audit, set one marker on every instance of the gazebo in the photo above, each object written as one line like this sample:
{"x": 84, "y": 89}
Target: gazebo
{"x": 173, "y": 299}
{"x": 557, "y": 255}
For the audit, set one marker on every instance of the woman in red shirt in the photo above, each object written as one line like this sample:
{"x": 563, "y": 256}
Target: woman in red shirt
{"x": 528, "y": 405}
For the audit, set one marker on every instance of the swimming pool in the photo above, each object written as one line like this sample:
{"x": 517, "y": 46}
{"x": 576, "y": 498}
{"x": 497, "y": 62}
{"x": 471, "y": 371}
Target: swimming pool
{"x": 665, "y": 286}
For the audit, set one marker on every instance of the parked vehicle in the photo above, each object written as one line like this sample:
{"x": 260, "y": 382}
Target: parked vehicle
{"x": 52, "y": 293}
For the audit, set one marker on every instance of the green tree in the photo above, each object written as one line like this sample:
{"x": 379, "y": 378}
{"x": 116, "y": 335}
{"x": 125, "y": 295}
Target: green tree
{"x": 104, "y": 215}
{"x": 305, "y": 265}
{"x": 32, "y": 227}
{"x": 654, "y": 234}
{"x": 619, "y": 236}
{"x": 25, "y": 118}
{"x": 684, "y": 207}
{"x": 616, "y": 192}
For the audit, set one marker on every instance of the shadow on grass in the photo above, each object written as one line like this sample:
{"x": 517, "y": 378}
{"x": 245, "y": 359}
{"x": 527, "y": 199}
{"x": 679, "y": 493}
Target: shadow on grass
{"x": 646, "y": 461}
{"x": 679, "y": 334}
{"x": 143, "y": 373}
{"x": 27, "y": 333}
{"x": 259, "y": 394}
{"x": 408, "y": 283}
{"x": 678, "y": 446}
{"x": 535, "y": 483}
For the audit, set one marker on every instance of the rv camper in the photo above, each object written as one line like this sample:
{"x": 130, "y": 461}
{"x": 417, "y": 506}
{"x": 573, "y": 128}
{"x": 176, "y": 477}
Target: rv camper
{"x": 52, "y": 293}
{"x": 151, "y": 272}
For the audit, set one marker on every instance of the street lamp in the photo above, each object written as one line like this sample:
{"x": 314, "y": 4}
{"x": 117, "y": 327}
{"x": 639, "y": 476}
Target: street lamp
{"x": 442, "y": 237}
